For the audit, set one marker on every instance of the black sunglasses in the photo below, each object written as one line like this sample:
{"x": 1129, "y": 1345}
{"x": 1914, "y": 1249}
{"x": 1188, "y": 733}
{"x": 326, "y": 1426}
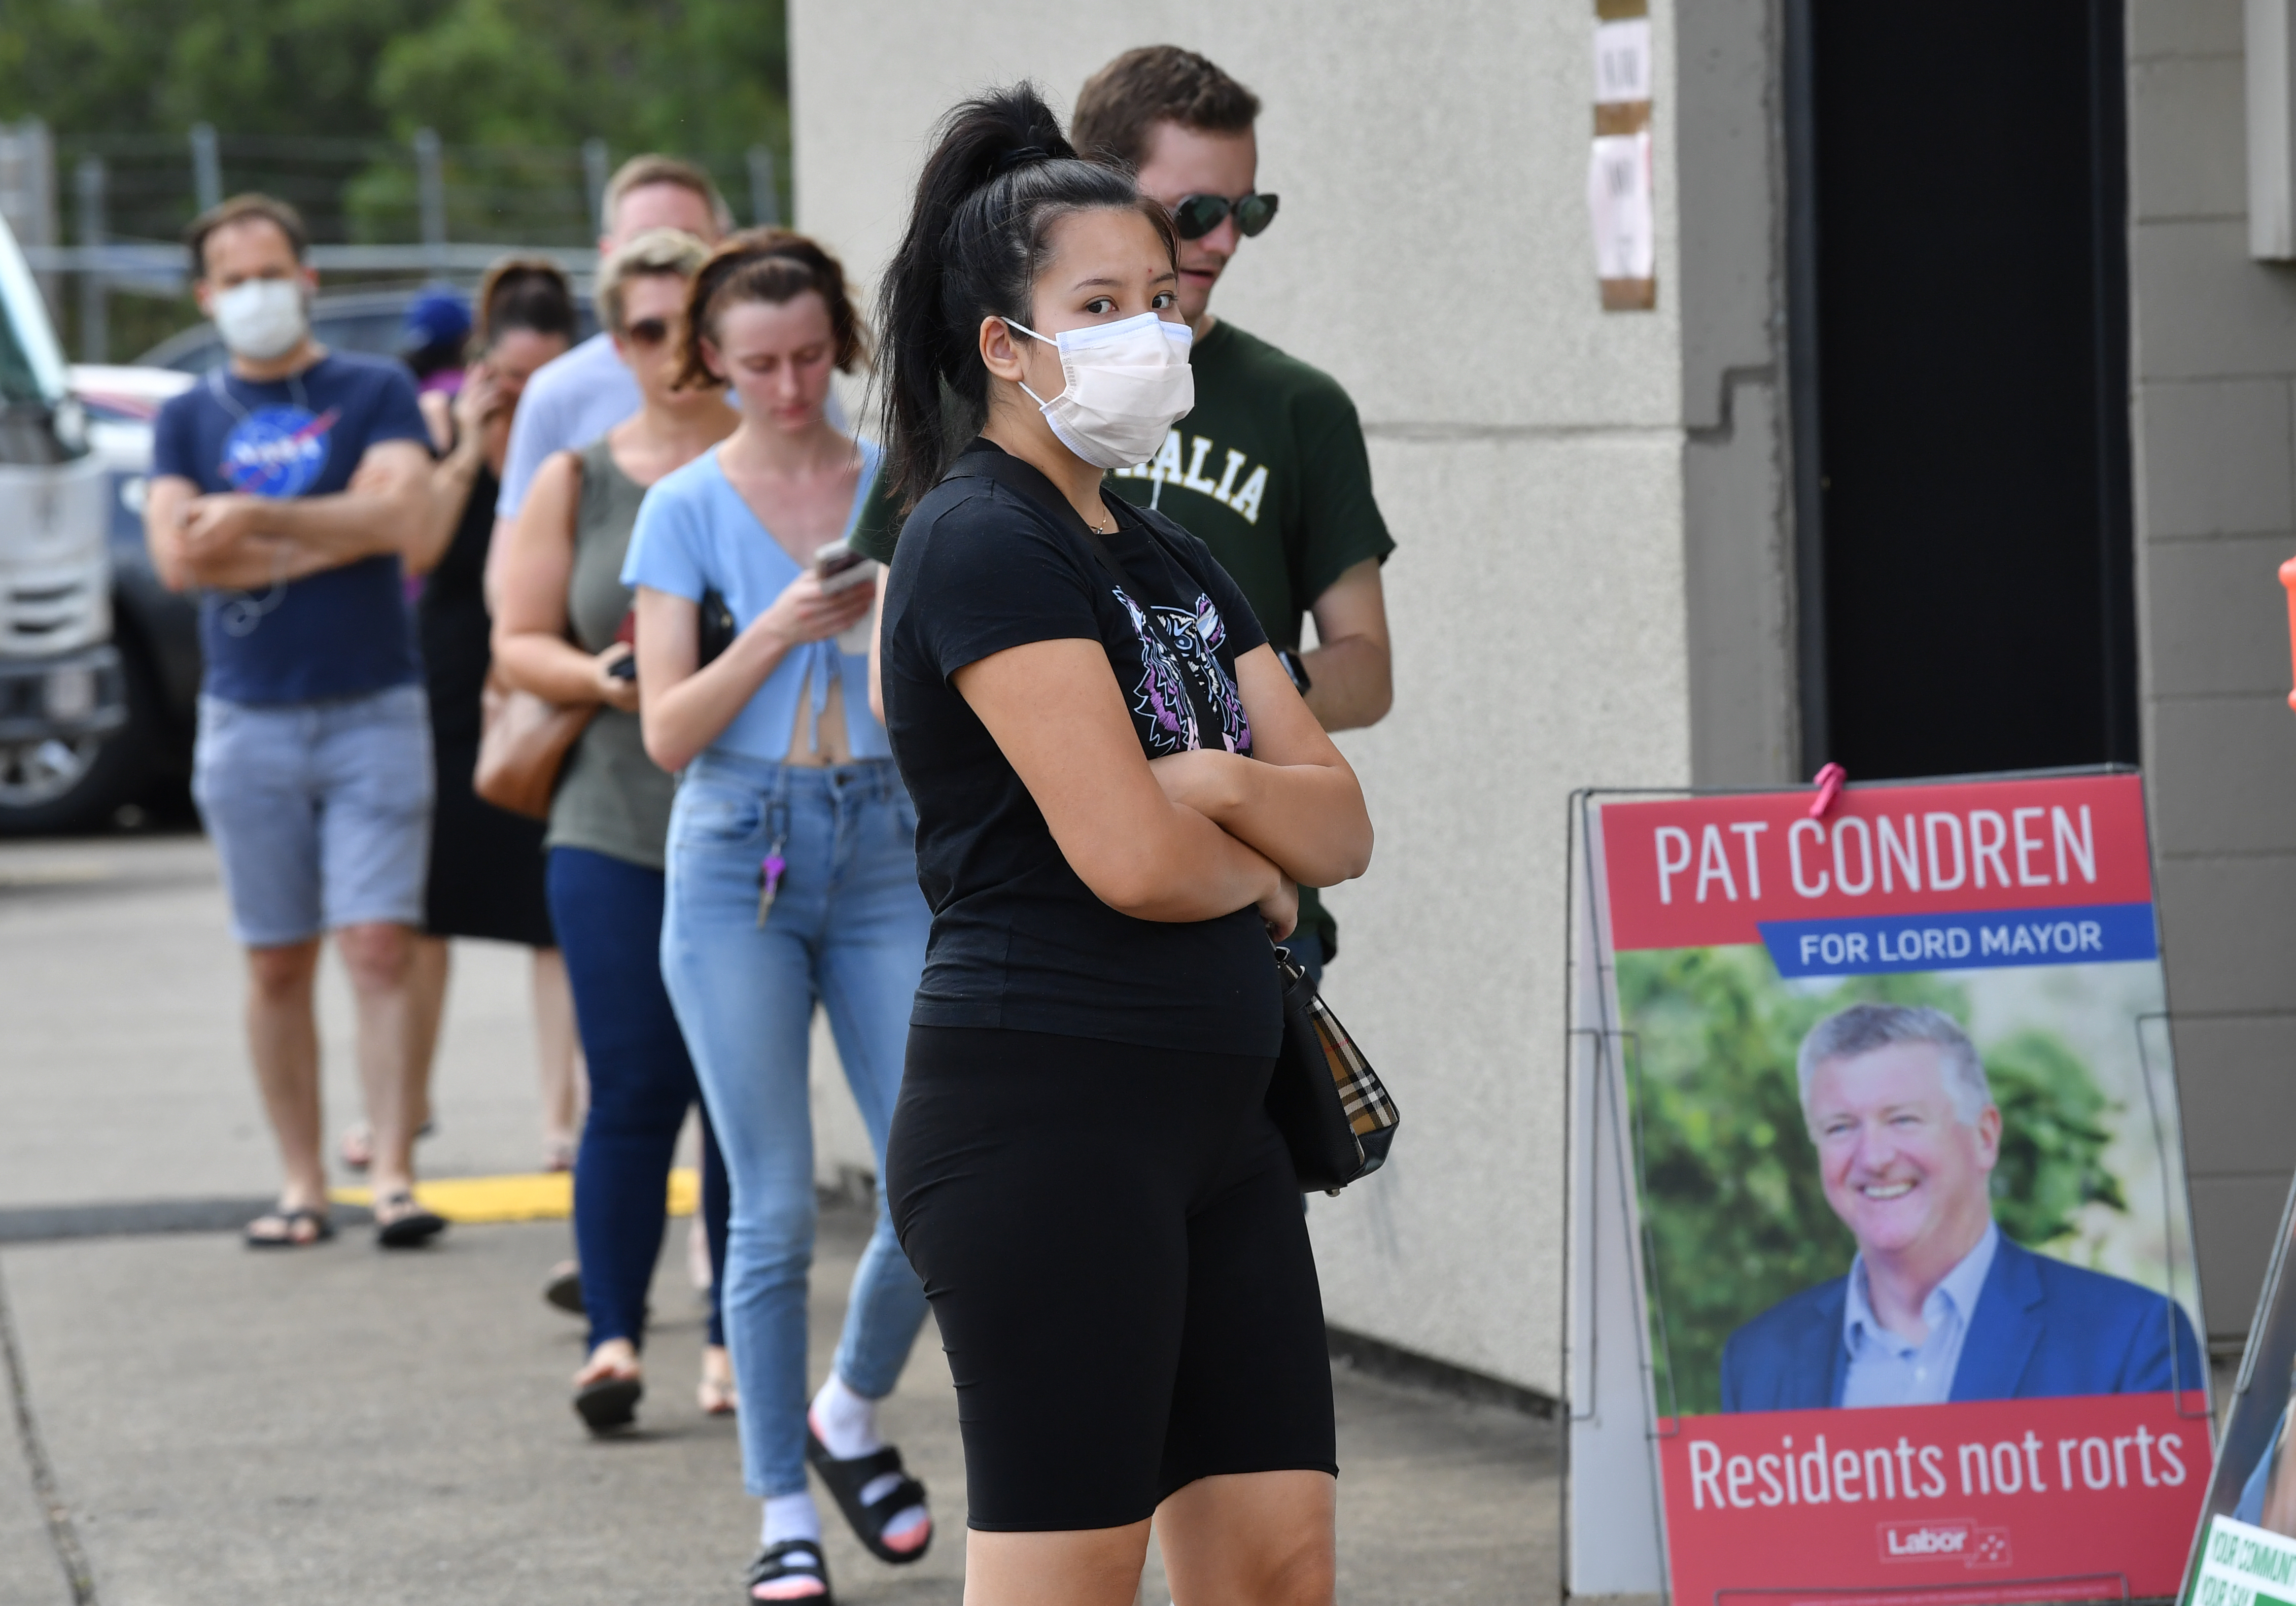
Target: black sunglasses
{"x": 648, "y": 332}
{"x": 1197, "y": 216}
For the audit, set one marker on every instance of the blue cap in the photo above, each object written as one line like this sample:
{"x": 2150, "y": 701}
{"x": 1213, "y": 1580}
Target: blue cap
{"x": 439, "y": 315}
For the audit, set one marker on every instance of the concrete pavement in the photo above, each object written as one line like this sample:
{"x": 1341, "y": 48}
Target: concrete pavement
{"x": 225, "y": 1427}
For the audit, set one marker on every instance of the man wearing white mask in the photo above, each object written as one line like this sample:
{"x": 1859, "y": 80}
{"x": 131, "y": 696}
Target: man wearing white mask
{"x": 282, "y": 487}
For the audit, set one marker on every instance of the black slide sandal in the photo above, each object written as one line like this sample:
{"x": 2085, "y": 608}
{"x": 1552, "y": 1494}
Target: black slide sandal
{"x": 847, "y": 1479}
{"x": 790, "y": 1558}
{"x": 608, "y": 1403}
{"x": 411, "y": 1231}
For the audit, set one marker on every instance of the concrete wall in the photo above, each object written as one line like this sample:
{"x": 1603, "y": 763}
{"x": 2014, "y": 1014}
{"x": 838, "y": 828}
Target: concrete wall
{"x": 1532, "y": 455}
{"x": 2214, "y": 363}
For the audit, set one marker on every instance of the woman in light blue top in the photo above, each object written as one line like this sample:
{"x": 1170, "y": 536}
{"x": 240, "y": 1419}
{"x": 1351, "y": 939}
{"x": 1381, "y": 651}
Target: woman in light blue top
{"x": 792, "y": 874}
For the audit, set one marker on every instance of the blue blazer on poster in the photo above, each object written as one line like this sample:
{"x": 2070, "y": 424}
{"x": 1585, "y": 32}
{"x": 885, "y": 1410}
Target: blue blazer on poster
{"x": 2042, "y": 1329}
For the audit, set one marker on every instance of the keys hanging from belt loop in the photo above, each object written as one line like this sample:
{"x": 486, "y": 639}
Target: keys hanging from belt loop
{"x": 770, "y": 869}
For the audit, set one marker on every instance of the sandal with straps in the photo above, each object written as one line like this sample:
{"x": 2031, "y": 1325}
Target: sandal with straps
{"x": 408, "y": 1225}
{"x": 288, "y": 1236}
{"x": 790, "y": 1558}
{"x": 847, "y": 1479}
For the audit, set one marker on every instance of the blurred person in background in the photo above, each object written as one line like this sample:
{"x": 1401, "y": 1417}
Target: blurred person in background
{"x": 562, "y": 631}
{"x": 792, "y": 874}
{"x": 485, "y": 863}
{"x": 572, "y": 401}
{"x": 283, "y": 487}
{"x": 434, "y": 338}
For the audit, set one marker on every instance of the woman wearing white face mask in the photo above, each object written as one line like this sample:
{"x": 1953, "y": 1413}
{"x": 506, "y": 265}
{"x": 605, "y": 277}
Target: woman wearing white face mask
{"x": 1117, "y": 789}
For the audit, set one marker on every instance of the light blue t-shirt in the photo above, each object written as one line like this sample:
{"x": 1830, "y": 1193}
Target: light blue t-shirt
{"x": 695, "y": 533}
{"x": 1886, "y": 1370}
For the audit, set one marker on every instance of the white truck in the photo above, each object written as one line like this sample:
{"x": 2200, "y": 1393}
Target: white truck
{"x": 62, "y": 691}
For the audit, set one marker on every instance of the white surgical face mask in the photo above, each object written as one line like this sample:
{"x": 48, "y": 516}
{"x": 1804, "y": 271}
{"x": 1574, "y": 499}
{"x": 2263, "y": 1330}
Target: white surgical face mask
{"x": 1128, "y": 382}
{"x": 262, "y": 319}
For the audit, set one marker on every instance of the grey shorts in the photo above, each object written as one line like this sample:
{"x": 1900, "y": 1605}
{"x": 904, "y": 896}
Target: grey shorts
{"x": 320, "y": 812}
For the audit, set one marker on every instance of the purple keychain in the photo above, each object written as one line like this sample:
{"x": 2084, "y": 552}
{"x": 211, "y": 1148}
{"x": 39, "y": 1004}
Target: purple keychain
{"x": 770, "y": 869}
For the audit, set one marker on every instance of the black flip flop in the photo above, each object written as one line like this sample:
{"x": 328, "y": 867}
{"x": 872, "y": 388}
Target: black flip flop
{"x": 411, "y": 1231}
{"x": 608, "y": 1403}
{"x": 322, "y": 1229}
{"x": 790, "y": 1558}
{"x": 846, "y": 1480}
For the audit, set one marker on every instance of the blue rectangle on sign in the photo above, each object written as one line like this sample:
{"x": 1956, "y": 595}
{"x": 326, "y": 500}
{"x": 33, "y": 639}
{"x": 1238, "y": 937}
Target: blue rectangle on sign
{"x": 1963, "y": 940}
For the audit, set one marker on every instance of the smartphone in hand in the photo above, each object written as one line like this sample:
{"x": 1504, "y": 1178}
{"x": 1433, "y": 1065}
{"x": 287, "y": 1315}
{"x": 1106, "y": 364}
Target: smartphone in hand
{"x": 838, "y": 566}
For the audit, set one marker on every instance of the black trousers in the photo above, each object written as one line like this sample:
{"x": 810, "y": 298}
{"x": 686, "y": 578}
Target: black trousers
{"x": 1112, "y": 1242}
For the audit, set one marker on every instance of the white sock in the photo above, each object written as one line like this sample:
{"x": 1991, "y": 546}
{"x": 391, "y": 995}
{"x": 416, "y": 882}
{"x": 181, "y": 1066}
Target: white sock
{"x": 847, "y": 1425}
{"x": 846, "y": 1422}
{"x": 791, "y": 1517}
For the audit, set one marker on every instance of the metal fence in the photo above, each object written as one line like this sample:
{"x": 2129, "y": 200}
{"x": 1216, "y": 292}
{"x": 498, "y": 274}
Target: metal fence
{"x": 376, "y": 209}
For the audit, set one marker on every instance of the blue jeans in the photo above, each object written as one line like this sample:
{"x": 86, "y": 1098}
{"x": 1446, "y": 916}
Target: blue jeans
{"x": 608, "y": 912}
{"x": 847, "y": 929}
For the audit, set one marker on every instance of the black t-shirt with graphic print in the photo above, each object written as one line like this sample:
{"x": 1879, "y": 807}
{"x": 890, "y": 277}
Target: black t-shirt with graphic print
{"x": 994, "y": 559}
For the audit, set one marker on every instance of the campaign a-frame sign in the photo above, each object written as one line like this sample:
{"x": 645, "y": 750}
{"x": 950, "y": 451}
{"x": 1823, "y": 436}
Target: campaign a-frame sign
{"x": 1882, "y": 1279}
{"x": 2245, "y": 1552}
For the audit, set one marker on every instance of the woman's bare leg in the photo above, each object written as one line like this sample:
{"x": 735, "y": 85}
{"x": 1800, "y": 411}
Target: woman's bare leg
{"x": 559, "y": 1055}
{"x": 426, "y": 1007}
{"x": 1251, "y": 1539}
{"x": 1087, "y": 1566}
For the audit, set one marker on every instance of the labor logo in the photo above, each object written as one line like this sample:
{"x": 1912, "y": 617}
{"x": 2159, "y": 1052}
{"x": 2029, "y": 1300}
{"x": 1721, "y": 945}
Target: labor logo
{"x": 277, "y": 451}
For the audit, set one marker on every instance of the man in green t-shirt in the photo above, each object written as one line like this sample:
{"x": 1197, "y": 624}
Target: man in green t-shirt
{"x": 1270, "y": 471}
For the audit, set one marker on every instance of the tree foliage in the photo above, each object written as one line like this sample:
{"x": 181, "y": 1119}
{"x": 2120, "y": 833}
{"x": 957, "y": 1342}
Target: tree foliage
{"x": 1735, "y": 1215}
{"x": 679, "y": 75}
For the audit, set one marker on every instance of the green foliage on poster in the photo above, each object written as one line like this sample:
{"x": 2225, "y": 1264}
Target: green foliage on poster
{"x": 1733, "y": 1211}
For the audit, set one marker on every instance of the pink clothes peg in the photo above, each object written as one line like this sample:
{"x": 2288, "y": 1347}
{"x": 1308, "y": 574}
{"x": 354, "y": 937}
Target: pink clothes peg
{"x": 1828, "y": 780}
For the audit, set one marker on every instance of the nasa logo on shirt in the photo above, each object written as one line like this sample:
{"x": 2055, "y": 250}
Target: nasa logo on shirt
{"x": 277, "y": 451}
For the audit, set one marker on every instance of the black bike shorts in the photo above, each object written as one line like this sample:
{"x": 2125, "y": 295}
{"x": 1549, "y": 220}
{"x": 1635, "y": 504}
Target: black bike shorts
{"x": 1112, "y": 1242}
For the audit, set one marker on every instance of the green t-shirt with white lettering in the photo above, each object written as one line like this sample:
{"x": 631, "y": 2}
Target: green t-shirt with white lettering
{"x": 1270, "y": 471}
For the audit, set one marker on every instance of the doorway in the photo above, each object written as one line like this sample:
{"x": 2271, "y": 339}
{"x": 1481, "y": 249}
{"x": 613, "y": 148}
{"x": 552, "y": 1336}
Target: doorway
{"x": 1960, "y": 319}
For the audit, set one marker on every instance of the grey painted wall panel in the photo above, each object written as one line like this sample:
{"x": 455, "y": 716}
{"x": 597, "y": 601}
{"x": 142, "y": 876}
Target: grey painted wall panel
{"x": 2238, "y": 1089}
{"x": 2236, "y": 1218}
{"x": 2203, "y": 310}
{"x": 2160, "y": 28}
{"x": 2193, "y": 811}
{"x": 2228, "y": 922}
{"x": 2220, "y": 620}
{"x": 2190, "y": 166}
{"x": 2220, "y": 458}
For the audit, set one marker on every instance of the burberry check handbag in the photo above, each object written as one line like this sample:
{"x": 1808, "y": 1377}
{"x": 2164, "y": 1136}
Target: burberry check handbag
{"x": 1333, "y": 1111}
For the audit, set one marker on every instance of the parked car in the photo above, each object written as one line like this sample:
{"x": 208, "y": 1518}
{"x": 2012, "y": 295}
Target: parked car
{"x": 158, "y": 629}
{"x": 62, "y": 695}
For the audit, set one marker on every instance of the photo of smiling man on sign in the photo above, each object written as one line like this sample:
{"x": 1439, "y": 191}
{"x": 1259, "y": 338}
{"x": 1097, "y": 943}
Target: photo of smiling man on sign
{"x": 1908, "y": 1203}
{"x": 1938, "y": 1305}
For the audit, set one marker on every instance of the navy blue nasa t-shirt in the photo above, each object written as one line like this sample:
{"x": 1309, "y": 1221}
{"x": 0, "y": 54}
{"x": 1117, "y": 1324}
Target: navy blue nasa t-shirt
{"x": 341, "y": 632}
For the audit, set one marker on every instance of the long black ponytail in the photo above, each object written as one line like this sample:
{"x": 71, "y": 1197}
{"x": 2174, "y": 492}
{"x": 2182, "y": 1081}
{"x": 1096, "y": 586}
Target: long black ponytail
{"x": 1000, "y": 175}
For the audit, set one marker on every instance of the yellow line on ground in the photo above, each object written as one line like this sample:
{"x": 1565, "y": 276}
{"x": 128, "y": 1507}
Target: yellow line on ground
{"x": 535, "y": 1196}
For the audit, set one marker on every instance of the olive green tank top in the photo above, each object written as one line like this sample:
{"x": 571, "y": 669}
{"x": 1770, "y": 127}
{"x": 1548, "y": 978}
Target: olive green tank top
{"x": 614, "y": 799}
